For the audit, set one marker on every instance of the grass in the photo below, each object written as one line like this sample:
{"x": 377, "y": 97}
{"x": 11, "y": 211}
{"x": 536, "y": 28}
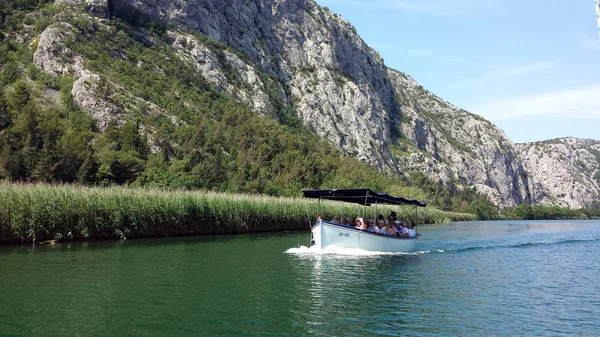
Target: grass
{"x": 38, "y": 212}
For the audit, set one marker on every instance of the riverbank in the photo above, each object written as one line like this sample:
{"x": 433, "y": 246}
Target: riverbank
{"x": 38, "y": 212}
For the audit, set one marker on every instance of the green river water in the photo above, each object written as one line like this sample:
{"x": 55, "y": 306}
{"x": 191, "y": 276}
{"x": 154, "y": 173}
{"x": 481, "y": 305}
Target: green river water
{"x": 467, "y": 279}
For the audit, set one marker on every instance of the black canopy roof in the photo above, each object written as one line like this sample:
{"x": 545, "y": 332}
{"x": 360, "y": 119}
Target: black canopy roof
{"x": 361, "y": 196}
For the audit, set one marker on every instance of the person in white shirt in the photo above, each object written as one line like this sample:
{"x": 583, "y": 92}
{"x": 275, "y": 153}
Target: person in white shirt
{"x": 411, "y": 231}
{"x": 405, "y": 230}
{"x": 380, "y": 227}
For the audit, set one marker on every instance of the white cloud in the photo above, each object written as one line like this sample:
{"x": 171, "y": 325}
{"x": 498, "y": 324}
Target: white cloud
{"x": 439, "y": 8}
{"x": 503, "y": 73}
{"x": 574, "y": 103}
{"x": 428, "y": 54}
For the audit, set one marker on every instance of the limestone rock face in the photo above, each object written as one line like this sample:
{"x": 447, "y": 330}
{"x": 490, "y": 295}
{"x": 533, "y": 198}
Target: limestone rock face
{"x": 244, "y": 82}
{"x": 452, "y": 144}
{"x": 564, "y": 172}
{"x": 53, "y": 56}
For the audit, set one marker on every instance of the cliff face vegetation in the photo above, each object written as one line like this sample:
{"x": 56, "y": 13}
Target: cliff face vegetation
{"x": 262, "y": 96}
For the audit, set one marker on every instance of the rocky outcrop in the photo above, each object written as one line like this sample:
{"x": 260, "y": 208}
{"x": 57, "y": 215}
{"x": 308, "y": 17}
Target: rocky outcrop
{"x": 53, "y": 56}
{"x": 564, "y": 172}
{"x": 449, "y": 143}
{"x": 98, "y": 96}
{"x": 243, "y": 81}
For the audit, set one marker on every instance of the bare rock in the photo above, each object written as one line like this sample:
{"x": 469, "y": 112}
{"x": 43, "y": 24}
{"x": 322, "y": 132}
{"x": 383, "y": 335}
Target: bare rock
{"x": 563, "y": 171}
{"x": 53, "y": 56}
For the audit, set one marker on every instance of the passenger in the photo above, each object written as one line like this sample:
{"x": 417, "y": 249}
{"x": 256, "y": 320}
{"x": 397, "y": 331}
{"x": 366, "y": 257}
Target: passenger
{"x": 393, "y": 216}
{"x": 398, "y": 225}
{"x": 360, "y": 224}
{"x": 379, "y": 217}
{"x": 336, "y": 219}
{"x": 350, "y": 221}
{"x": 345, "y": 221}
{"x": 380, "y": 226}
{"x": 391, "y": 230}
{"x": 414, "y": 225}
{"x": 411, "y": 231}
{"x": 371, "y": 226}
{"x": 405, "y": 229}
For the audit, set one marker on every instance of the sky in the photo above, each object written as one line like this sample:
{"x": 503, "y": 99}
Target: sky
{"x": 530, "y": 67}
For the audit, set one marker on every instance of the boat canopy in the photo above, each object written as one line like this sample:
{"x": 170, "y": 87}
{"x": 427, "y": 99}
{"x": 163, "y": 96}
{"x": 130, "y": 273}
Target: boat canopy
{"x": 362, "y": 196}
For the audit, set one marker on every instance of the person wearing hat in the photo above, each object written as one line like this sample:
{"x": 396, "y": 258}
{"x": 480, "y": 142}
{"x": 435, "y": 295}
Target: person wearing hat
{"x": 397, "y": 224}
{"x": 399, "y": 228}
{"x": 380, "y": 227}
{"x": 371, "y": 226}
{"x": 360, "y": 224}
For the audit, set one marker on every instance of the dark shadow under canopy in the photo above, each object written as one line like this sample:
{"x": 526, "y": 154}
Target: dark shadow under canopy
{"x": 361, "y": 196}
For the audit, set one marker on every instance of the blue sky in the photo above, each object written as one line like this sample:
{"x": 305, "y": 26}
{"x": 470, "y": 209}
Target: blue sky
{"x": 531, "y": 67}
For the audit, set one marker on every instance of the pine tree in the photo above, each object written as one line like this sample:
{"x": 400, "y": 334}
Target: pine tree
{"x": 88, "y": 172}
{"x": 5, "y": 118}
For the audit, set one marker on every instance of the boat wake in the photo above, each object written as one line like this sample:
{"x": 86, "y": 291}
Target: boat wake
{"x": 308, "y": 251}
{"x": 303, "y": 250}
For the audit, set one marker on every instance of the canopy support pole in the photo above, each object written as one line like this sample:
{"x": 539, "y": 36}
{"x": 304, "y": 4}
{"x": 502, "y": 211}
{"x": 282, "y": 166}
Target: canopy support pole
{"x": 416, "y": 218}
{"x": 319, "y": 208}
{"x": 365, "y": 210}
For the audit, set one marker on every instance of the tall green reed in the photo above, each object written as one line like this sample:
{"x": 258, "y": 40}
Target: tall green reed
{"x": 37, "y": 212}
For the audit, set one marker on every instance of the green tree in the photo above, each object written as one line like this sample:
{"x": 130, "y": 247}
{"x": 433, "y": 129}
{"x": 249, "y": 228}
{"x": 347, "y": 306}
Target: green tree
{"x": 484, "y": 210}
{"x": 5, "y": 117}
{"x": 525, "y": 212}
{"x": 88, "y": 171}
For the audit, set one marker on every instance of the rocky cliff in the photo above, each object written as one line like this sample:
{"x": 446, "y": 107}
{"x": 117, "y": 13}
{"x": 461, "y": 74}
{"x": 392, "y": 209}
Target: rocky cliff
{"x": 340, "y": 88}
{"x": 293, "y": 57}
{"x": 563, "y": 172}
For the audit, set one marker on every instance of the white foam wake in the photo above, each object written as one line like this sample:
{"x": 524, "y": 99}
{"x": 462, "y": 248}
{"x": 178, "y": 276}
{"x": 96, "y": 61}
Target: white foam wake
{"x": 303, "y": 250}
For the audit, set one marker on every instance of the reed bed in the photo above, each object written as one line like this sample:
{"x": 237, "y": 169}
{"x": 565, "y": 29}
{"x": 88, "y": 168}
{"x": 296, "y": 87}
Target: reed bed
{"x": 38, "y": 212}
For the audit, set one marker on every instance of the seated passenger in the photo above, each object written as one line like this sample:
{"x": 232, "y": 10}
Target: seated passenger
{"x": 371, "y": 226}
{"x": 360, "y": 224}
{"x": 391, "y": 230}
{"x": 345, "y": 221}
{"x": 380, "y": 227}
{"x": 405, "y": 230}
{"x": 411, "y": 231}
{"x": 350, "y": 221}
{"x": 336, "y": 219}
{"x": 398, "y": 224}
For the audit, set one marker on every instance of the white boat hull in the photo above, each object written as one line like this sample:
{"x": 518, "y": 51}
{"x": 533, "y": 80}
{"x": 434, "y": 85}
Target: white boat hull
{"x": 328, "y": 235}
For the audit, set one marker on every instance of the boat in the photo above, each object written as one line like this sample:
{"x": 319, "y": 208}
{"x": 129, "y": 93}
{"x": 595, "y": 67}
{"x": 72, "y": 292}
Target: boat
{"x": 330, "y": 235}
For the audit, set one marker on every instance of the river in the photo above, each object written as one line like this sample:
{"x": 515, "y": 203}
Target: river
{"x": 511, "y": 278}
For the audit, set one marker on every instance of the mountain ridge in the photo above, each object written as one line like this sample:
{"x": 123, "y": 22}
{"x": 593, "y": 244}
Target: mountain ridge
{"x": 302, "y": 65}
